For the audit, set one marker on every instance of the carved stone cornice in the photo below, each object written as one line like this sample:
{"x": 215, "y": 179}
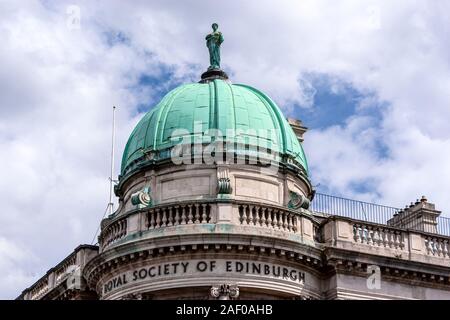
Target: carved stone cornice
{"x": 398, "y": 270}
{"x": 244, "y": 246}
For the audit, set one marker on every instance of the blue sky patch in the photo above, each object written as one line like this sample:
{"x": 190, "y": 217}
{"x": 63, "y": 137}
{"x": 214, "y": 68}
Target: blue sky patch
{"x": 334, "y": 101}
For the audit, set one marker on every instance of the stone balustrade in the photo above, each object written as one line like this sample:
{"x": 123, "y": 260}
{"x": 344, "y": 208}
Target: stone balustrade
{"x": 65, "y": 268}
{"x": 60, "y": 273}
{"x": 268, "y": 217}
{"x": 241, "y": 214}
{"x": 40, "y": 289}
{"x": 437, "y": 246}
{"x": 372, "y": 238}
{"x": 377, "y": 235}
{"x": 175, "y": 215}
{"x": 115, "y": 231}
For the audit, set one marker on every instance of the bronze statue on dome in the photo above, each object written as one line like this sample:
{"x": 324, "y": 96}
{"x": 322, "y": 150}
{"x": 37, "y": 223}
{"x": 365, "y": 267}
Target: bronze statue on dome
{"x": 213, "y": 42}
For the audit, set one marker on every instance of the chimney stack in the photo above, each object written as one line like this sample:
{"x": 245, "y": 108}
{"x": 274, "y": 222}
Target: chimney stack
{"x": 421, "y": 216}
{"x": 298, "y": 127}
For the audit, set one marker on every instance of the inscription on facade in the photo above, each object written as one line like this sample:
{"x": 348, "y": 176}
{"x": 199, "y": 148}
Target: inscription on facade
{"x": 200, "y": 267}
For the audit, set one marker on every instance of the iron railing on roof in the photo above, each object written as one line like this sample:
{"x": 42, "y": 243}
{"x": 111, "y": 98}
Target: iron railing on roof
{"x": 365, "y": 211}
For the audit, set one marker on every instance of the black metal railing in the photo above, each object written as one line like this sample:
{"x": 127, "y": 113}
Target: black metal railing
{"x": 365, "y": 211}
{"x": 443, "y": 226}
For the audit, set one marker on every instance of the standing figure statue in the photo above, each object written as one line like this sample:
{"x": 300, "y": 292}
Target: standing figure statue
{"x": 213, "y": 42}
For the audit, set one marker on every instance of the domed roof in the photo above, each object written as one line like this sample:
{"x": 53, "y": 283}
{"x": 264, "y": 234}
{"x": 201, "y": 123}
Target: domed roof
{"x": 235, "y": 110}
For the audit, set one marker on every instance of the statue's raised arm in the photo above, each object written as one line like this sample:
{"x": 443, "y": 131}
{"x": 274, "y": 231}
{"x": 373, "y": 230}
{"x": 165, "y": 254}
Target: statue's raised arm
{"x": 213, "y": 42}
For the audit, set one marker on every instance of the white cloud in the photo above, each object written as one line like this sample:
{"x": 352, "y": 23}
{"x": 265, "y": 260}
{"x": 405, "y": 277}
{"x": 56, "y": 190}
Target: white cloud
{"x": 14, "y": 260}
{"x": 58, "y": 86}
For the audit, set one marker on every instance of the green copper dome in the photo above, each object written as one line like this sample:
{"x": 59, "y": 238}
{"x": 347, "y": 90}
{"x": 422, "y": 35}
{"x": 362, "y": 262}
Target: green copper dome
{"x": 235, "y": 110}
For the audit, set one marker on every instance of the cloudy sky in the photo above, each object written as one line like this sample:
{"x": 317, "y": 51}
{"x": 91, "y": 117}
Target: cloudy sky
{"x": 371, "y": 79}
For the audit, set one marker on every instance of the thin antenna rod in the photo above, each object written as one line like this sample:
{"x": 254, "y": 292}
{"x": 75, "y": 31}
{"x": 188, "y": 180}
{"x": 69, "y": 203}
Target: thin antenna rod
{"x": 110, "y": 206}
{"x": 111, "y": 180}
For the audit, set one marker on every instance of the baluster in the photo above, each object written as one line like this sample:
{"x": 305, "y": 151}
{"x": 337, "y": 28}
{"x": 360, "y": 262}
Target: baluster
{"x": 376, "y": 236}
{"x": 291, "y": 222}
{"x": 356, "y": 236}
{"x": 433, "y": 246}
{"x": 158, "y": 218}
{"x": 279, "y": 222}
{"x": 263, "y": 217}
{"x": 177, "y": 216}
{"x": 390, "y": 238}
{"x": 437, "y": 246}
{"x": 294, "y": 223}
{"x": 369, "y": 235}
{"x": 428, "y": 245}
{"x": 380, "y": 237}
{"x": 284, "y": 218}
{"x": 151, "y": 219}
{"x": 183, "y": 215}
{"x": 269, "y": 218}
{"x": 445, "y": 248}
{"x": 288, "y": 221}
{"x": 257, "y": 219}
{"x": 190, "y": 215}
{"x": 204, "y": 213}
{"x": 164, "y": 217}
{"x": 250, "y": 215}
{"x": 197, "y": 213}
{"x": 170, "y": 217}
{"x": 275, "y": 218}
{"x": 363, "y": 234}
{"x": 242, "y": 214}
{"x": 208, "y": 213}
{"x": 384, "y": 239}
{"x": 396, "y": 240}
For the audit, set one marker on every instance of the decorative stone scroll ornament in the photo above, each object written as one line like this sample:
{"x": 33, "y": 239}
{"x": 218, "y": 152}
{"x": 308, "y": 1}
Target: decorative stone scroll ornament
{"x": 225, "y": 292}
{"x": 142, "y": 198}
{"x": 223, "y": 181}
{"x": 297, "y": 201}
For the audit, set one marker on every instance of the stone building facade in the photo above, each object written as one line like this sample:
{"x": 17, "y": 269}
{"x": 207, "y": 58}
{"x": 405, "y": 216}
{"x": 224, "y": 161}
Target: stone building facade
{"x": 241, "y": 226}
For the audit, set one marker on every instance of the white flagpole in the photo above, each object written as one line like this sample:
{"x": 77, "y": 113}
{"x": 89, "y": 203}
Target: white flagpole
{"x": 110, "y": 205}
{"x": 111, "y": 180}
